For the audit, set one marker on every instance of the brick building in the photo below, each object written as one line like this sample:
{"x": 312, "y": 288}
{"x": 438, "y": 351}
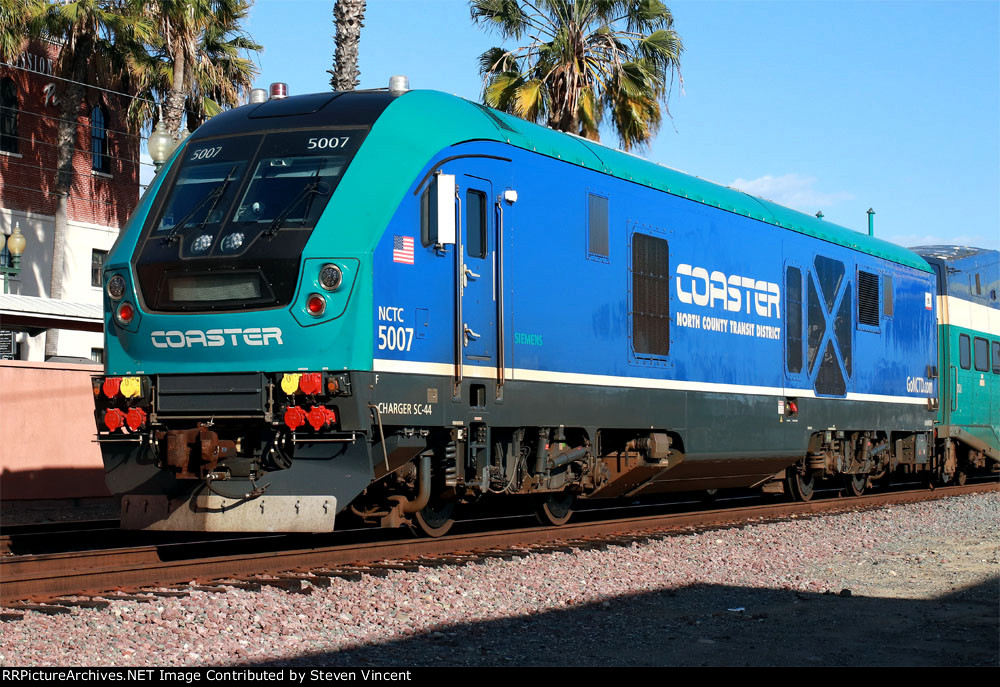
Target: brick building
{"x": 105, "y": 190}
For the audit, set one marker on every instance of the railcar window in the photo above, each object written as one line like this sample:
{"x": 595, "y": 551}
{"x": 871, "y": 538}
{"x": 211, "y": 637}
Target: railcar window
{"x": 982, "y": 349}
{"x": 650, "y": 295}
{"x": 868, "y": 299}
{"x": 475, "y": 223}
{"x": 964, "y": 351}
{"x": 829, "y": 380}
{"x": 830, "y": 273}
{"x": 996, "y": 357}
{"x": 597, "y": 220}
{"x": 887, "y": 302}
{"x": 817, "y": 324}
{"x": 843, "y": 329}
{"x": 793, "y": 311}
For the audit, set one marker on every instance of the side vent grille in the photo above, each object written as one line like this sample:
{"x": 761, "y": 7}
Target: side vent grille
{"x": 650, "y": 295}
{"x": 868, "y": 299}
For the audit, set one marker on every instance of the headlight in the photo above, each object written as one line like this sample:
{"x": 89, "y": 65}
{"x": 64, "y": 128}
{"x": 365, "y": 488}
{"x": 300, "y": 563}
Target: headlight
{"x": 331, "y": 277}
{"x": 116, "y": 287}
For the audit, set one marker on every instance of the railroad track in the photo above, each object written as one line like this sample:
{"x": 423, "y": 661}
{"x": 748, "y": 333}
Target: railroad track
{"x": 48, "y": 577}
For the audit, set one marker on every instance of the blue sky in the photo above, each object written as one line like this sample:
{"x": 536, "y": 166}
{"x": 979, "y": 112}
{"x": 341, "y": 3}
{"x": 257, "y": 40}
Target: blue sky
{"x": 832, "y": 106}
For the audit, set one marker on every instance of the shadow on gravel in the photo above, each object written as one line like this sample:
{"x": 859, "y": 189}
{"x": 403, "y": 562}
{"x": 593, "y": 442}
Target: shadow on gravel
{"x": 693, "y": 626}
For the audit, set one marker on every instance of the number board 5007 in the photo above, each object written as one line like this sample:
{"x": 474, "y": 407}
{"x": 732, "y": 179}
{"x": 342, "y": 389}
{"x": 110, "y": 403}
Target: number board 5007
{"x": 206, "y": 153}
{"x": 323, "y": 143}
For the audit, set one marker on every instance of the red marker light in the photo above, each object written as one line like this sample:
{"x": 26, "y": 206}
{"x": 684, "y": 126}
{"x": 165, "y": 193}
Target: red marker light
{"x": 125, "y": 313}
{"x": 113, "y": 419}
{"x": 295, "y": 417}
{"x": 315, "y": 304}
{"x": 136, "y": 418}
{"x": 321, "y": 417}
{"x": 311, "y": 383}
{"x": 111, "y": 386}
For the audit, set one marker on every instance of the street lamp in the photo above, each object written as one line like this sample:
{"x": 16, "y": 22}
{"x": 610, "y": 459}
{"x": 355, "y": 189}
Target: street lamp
{"x": 160, "y": 144}
{"x": 15, "y": 245}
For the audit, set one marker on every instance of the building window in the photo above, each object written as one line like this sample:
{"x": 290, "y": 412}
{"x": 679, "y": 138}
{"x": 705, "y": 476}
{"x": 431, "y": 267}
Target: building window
{"x": 97, "y": 258}
{"x": 597, "y": 222}
{"x": 8, "y": 116}
{"x": 100, "y": 160}
{"x": 97, "y": 355}
{"x": 650, "y": 295}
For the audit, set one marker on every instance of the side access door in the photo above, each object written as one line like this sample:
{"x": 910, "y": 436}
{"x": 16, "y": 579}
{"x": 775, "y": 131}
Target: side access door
{"x": 481, "y": 184}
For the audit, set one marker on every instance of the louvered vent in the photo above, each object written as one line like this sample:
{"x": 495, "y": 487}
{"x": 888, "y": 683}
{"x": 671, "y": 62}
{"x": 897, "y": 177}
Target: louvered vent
{"x": 650, "y": 295}
{"x": 868, "y": 299}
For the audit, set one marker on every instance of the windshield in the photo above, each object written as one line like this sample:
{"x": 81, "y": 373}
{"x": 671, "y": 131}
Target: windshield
{"x": 228, "y": 229}
{"x": 282, "y": 182}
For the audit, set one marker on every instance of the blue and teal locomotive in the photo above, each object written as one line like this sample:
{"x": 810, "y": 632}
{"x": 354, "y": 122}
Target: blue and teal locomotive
{"x": 391, "y": 303}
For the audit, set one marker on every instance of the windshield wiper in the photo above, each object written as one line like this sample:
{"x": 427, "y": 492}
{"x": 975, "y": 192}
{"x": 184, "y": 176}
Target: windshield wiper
{"x": 319, "y": 187}
{"x": 214, "y": 195}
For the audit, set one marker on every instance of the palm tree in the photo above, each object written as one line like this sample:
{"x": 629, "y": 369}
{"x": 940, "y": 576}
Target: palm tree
{"x": 584, "y": 58}
{"x": 19, "y": 21}
{"x": 348, "y": 19}
{"x": 196, "y": 65}
{"x": 99, "y": 42}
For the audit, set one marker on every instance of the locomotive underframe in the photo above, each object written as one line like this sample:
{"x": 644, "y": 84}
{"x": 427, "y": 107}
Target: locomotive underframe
{"x": 540, "y": 439}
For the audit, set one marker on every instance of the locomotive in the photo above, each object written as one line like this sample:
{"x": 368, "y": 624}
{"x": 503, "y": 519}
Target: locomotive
{"x": 387, "y": 304}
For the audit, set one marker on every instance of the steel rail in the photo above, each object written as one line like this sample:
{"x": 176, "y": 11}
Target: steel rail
{"x": 49, "y": 576}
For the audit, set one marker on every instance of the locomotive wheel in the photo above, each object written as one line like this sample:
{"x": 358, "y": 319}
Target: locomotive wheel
{"x": 435, "y": 519}
{"x": 801, "y": 487}
{"x": 554, "y": 509}
{"x": 855, "y": 485}
{"x": 960, "y": 478}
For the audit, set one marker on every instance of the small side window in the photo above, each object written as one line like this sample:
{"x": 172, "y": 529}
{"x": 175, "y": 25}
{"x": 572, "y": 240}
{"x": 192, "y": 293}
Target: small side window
{"x": 475, "y": 219}
{"x": 996, "y": 357}
{"x": 982, "y": 348}
{"x": 964, "y": 351}
{"x": 887, "y": 296}
{"x": 793, "y": 311}
{"x": 425, "y": 217}
{"x": 597, "y": 226}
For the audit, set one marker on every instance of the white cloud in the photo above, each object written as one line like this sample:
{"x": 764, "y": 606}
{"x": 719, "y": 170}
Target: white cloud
{"x": 792, "y": 190}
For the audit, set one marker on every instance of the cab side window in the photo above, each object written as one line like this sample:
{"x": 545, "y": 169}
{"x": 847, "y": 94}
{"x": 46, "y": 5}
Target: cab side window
{"x": 964, "y": 351}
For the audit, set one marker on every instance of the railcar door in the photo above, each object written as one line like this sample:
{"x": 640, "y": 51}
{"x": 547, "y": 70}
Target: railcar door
{"x": 480, "y": 190}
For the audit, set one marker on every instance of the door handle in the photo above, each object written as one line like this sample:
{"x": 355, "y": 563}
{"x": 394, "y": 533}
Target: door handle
{"x": 466, "y": 273}
{"x": 469, "y": 334}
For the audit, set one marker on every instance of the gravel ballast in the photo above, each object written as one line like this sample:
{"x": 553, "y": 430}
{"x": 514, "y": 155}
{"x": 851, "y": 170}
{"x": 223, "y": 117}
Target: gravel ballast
{"x": 907, "y": 585}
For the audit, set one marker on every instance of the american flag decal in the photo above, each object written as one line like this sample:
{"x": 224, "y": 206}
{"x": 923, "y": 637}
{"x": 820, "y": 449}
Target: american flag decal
{"x": 402, "y": 249}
